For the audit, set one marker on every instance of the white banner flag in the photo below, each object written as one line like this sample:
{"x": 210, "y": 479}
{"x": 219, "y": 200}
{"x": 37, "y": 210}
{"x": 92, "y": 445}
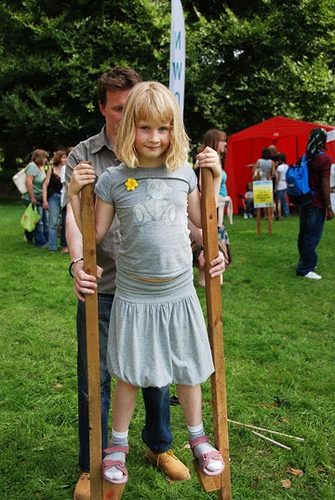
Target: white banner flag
{"x": 177, "y": 53}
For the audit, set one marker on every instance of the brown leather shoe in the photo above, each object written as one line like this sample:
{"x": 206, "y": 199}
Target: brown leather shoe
{"x": 83, "y": 487}
{"x": 170, "y": 464}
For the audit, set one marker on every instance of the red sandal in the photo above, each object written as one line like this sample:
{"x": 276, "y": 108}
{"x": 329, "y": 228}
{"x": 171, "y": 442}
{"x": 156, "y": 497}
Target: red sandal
{"x": 205, "y": 458}
{"x": 119, "y": 464}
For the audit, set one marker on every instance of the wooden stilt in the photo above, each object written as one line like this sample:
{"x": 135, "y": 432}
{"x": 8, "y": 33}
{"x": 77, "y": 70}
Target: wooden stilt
{"x": 215, "y": 331}
{"x": 100, "y": 489}
{"x": 259, "y": 213}
{"x": 270, "y": 209}
{"x": 112, "y": 491}
{"x": 259, "y": 221}
{"x": 270, "y": 214}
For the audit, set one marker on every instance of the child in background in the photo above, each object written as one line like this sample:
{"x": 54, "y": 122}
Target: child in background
{"x": 157, "y": 331}
{"x": 249, "y": 202}
{"x": 281, "y": 187}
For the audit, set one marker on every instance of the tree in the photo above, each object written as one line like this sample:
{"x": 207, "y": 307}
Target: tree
{"x": 52, "y": 56}
{"x": 252, "y": 64}
{"x": 246, "y": 61}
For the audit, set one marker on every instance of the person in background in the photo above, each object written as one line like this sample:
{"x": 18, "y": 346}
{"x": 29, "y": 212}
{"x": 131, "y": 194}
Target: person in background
{"x": 63, "y": 242}
{"x": 281, "y": 187}
{"x": 52, "y": 197}
{"x": 263, "y": 165}
{"x": 35, "y": 173}
{"x": 313, "y": 215}
{"x": 217, "y": 140}
{"x": 273, "y": 152}
{"x": 249, "y": 202}
{"x": 265, "y": 169}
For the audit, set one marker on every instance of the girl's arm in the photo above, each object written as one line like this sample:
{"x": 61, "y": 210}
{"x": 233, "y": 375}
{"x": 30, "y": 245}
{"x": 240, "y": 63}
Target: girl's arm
{"x": 82, "y": 174}
{"x": 208, "y": 158}
{"x": 218, "y": 264}
{"x": 104, "y": 215}
{"x": 45, "y": 189}
{"x": 277, "y": 179}
{"x": 193, "y": 208}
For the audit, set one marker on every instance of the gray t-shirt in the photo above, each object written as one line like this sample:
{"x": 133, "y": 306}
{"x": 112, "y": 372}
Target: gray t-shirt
{"x": 153, "y": 218}
{"x": 265, "y": 166}
{"x": 101, "y": 153}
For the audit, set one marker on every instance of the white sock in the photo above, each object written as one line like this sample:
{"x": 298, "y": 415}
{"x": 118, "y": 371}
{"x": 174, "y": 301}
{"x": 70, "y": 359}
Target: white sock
{"x": 118, "y": 439}
{"x": 195, "y": 432}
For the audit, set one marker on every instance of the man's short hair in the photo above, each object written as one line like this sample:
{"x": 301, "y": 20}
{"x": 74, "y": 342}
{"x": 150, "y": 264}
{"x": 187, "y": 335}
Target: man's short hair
{"x": 118, "y": 78}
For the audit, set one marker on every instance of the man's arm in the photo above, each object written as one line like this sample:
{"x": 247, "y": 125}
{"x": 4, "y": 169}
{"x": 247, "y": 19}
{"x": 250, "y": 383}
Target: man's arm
{"x": 325, "y": 193}
{"x": 83, "y": 283}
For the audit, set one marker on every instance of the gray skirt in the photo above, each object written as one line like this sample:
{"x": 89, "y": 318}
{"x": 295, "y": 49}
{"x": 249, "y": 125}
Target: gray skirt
{"x": 157, "y": 333}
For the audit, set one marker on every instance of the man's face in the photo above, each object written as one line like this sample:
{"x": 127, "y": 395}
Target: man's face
{"x": 112, "y": 110}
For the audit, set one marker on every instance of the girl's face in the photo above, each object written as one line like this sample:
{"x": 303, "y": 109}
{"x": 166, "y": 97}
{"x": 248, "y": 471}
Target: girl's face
{"x": 222, "y": 146}
{"x": 151, "y": 142}
{"x": 63, "y": 159}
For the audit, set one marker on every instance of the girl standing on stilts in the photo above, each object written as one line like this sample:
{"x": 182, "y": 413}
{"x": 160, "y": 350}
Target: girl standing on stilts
{"x": 157, "y": 331}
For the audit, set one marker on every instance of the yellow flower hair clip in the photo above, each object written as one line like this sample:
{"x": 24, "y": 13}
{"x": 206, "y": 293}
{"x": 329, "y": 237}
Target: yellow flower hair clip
{"x": 131, "y": 184}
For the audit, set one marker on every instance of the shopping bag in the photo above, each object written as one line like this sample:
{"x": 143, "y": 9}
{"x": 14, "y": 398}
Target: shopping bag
{"x": 30, "y": 218}
{"x": 19, "y": 180}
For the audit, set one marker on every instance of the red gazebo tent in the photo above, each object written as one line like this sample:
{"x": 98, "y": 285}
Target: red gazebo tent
{"x": 245, "y": 148}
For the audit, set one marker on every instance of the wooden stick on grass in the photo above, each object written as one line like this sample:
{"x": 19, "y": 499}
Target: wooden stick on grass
{"x": 271, "y": 440}
{"x": 265, "y": 430}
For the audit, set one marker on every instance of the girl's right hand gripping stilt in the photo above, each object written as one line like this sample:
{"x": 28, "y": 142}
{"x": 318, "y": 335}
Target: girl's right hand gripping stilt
{"x": 82, "y": 174}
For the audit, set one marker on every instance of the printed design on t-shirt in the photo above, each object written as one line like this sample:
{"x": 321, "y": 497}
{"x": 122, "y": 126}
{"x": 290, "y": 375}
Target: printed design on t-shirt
{"x": 156, "y": 207}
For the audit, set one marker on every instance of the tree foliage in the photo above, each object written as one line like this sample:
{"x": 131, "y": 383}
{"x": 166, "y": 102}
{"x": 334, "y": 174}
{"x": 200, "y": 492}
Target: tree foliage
{"x": 247, "y": 60}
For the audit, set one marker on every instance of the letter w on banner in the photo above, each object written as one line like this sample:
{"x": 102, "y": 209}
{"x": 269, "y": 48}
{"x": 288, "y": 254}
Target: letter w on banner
{"x": 177, "y": 53}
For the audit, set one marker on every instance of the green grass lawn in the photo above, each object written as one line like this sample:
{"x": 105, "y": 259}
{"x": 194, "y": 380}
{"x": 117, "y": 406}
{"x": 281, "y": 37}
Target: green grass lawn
{"x": 279, "y": 342}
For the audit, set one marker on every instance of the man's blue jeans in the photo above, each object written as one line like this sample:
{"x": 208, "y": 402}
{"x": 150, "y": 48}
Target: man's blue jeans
{"x": 54, "y": 211}
{"x": 156, "y": 433}
{"x": 41, "y": 231}
{"x": 312, "y": 221}
{"x": 281, "y": 196}
{"x": 63, "y": 242}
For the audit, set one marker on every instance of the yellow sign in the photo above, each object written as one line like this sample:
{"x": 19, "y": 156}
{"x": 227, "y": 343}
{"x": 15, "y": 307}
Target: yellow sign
{"x": 263, "y": 195}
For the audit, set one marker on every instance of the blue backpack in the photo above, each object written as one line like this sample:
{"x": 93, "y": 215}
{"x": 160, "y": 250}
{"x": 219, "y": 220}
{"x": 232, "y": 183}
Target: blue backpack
{"x": 298, "y": 190}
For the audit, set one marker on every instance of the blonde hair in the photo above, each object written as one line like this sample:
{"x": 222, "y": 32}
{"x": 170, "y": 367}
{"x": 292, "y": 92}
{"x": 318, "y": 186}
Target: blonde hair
{"x": 152, "y": 102}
